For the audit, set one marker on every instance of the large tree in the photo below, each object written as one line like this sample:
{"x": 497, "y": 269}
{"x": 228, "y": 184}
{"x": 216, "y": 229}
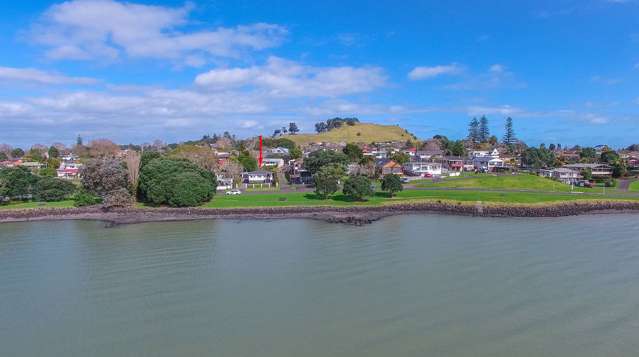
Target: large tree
{"x": 473, "y": 131}
{"x": 176, "y": 182}
{"x": 17, "y": 182}
{"x": 293, "y": 129}
{"x": 53, "y": 189}
{"x": 102, "y": 176}
{"x": 320, "y": 158}
{"x": 358, "y": 187}
{"x": 509, "y": 138}
{"x": 353, "y": 151}
{"x": 327, "y": 180}
{"x": 391, "y": 183}
{"x": 484, "y": 131}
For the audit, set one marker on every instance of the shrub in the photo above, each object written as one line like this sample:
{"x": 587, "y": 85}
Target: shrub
{"x": 102, "y": 176}
{"x": 391, "y": 183}
{"x": 17, "y": 182}
{"x": 327, "y": 180}
{"x": 117, "y": 199}
{"x": 189, "y": 189}
{"x": 82, "y": 198}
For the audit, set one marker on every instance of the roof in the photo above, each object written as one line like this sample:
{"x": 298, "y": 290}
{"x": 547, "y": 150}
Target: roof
{"x": 262, "y": 172}
{"x": 391, "y": 163}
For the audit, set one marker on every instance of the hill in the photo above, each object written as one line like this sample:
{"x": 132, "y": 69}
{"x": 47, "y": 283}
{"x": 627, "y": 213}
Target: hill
{"x": 358, "y": 133}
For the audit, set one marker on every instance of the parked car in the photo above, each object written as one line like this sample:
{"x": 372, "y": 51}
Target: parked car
{"x": 405, "y": 180}
{"x": 233, "y": 192}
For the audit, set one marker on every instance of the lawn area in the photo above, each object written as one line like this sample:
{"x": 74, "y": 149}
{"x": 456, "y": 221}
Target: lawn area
{"x": 634, "y": 187}
{"x": 504, "y": 182}
{"x": 309, "y": 199}
{"x": 21, "y": 205}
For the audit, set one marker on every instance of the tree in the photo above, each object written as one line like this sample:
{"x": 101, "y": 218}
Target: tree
{"x": 320, "y": 158}
{"x": 3, "y": 156}
{"x": 357, "y": 187}
{"x": 609, "y": 156}
{"x": 473, "y": 131}
{"x": 101, "y": 176}
{"x": 35, "y": 154}
{"x": 17, "y": 153}
{"x": 327, "y": 180}
{"x": 353, "y": 152}
{"x": 493, "y": 140}
{"x": 588, "y": 153}
{"x": 295, "y": 153}
{"x": 176, "y": 182}
{"x": 538, "y": 157}
{"x": 391, "y": 183}
{"x": 400, "y": 157}
{"x": 119, "y": 198}
{"x": 53, "y": 189}
{"x": 18, "y": 182}
{"x": 586, "y": 173}
{"x": 54, "y": 152}
{"x": 484, "y": 132}
{"x": 248, "y": 163}
{"x": 132, "y": 161}
{"x": 509, "y": 135}
{"x": 78, "y": 140}
{"x": 103, "y": 148}
{"x": 202, "y": 156}
{"x": 293, "y": 129}
{"x": 456, "y": 148}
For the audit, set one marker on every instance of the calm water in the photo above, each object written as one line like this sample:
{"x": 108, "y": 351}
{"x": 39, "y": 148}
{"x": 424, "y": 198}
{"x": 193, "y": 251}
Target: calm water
{"x": 405, "y": 286}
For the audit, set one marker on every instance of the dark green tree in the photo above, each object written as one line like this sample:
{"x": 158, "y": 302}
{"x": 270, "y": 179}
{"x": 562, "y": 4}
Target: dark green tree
{"x": 484, "y": 132}
{"x": 391, "y": 183}
{"x": 17, "y": 153}
{"x": 353, "y": 151}
{"x": 3, "y": 156}
{"x": 509, "y": 135}
{"x": 101, "y": 176}
{"x": 400, "y": 157}
{"x": 293, "y": 129}
{"x": 176, "y": 182}
{"x": 18, "y": 182}
{"x": 358, "y": 187}
{"x": 53, "y": 152}
{"x": 53, "y": 189}
{"x": 320, "y": 158}
{"x": 473, "y": 131}
{"x": 327, "y": 180}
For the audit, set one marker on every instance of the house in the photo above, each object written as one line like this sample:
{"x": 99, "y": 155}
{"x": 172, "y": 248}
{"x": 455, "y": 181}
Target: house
{"x": 272, "y": 162}
{"x": 423, "y": 168}
{"x": 257, "y": 177}
{"x": 487, "y": 163}
{"x": 453, "y": 163}
{"x": 224, "y": 183}
{"x": 391, "y": 167}
{"x": 599, "y": 171}
{"x": 565, "y": 175}
{"x": 278, "y": 151}
{"x": 33, "y": 165}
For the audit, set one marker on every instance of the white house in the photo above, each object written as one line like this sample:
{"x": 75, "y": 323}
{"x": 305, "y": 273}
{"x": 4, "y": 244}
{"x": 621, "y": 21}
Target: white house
{"x": 423, "y": 168}
{"x": 278, "y": 151}
{"x": 565, "y": 175}
{"x": 272, "y": 162}
{"x": 224, "y": 183}
{"x": 257, "y": 177}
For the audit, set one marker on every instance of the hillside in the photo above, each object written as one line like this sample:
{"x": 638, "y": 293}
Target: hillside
{"x": 358, "y": 133}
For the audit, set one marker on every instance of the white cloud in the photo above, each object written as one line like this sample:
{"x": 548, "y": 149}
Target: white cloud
{"x": 605, "y": 80}
{"x": 280, "y": 77}
{"x": 496, "y": 76}
{"x": 431, "y": 72}
{"x": 497, "y": 68}
{"x": 595, "y": 118}
{"x": 107, "y": 29}
{"x": 505, "y": 110}
{"x": 37, "y": 76}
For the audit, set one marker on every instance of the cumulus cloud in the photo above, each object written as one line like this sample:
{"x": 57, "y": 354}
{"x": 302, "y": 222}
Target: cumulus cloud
{"x": 38, "y": 76}
{"x": 435, "y": 71}
{"x": 107, "y": 29}
{"x": 280, "y": 77}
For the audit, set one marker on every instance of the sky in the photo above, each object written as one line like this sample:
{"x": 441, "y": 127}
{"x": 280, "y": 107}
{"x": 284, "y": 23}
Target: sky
{"x": 565, "y": 71}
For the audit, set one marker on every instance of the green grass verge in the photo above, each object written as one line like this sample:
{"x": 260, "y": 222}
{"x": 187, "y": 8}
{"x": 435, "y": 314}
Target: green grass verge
{"x": 505, "y": 182}
{"x": 23, "y": 205}
{"x": 634, "y": 186}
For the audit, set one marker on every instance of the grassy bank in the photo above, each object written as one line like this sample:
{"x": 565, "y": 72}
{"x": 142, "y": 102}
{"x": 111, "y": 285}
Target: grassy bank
{"x": 24, "y": 205}
{"x": 634, "y": 187}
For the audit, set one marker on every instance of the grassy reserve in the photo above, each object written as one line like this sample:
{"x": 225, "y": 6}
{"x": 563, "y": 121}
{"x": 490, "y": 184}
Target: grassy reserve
{"x": 634, "y": 187}
{"x": 503, "y": 182}
{"x": 358, "y": 133}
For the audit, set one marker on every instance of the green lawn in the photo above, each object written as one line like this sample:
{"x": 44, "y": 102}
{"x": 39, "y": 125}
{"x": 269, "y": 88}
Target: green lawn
{"x": 504, "y": 182}
{"x": 21, "y": 205}
{"x": 634, "y": 187}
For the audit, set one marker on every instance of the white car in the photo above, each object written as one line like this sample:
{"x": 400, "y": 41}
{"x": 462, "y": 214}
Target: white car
{"x": 233, "y": 192}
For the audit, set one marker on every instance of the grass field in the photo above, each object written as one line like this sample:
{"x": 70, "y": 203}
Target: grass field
{"x": 21, "y": 205}
{"x": 359, "y": 133}
{"x": 505, "y": 182}
{"x": 634, "y": 187}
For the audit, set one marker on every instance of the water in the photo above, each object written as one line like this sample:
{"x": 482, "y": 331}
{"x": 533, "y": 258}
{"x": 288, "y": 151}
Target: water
{"x": 404, "y": 286}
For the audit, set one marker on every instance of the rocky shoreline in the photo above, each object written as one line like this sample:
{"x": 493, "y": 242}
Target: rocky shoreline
{"x": 356, "y": 215}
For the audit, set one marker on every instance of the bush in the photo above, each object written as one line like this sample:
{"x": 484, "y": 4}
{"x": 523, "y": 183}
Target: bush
{"x": 53, "y": 189}
{"x": 83, "y": 198}
{"x": 176, "y": 182}
{"x": 100, "y": 177}
{"x": 357, "y": 187}
{"x": 17, "y": 182}
{"x": 117, "y": 199}
{"x": 327, "y": 180}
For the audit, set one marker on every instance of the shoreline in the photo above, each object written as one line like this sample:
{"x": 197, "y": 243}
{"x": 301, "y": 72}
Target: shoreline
{"x": 356, "y": 215}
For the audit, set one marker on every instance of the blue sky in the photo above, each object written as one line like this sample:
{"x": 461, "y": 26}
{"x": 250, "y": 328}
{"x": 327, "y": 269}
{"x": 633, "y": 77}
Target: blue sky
{"x": 566, "y": 71}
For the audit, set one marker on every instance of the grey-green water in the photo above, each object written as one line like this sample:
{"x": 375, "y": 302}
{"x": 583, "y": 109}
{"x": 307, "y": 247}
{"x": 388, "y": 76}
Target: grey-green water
{"x": 404, "y": 286}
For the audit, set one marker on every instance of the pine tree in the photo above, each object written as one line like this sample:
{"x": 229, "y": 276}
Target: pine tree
{"x": 78, "y": 141}
{"x": 484, "y": 132}
{"x": 509, "y": 135}
{"x": 473, "y": 131}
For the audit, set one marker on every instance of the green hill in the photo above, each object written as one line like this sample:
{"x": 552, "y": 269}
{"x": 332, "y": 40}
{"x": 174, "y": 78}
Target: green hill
{"x": 358, "y": 133}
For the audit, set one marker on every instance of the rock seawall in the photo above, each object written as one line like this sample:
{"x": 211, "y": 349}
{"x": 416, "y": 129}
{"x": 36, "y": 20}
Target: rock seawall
{"x": 356, "y": 215}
